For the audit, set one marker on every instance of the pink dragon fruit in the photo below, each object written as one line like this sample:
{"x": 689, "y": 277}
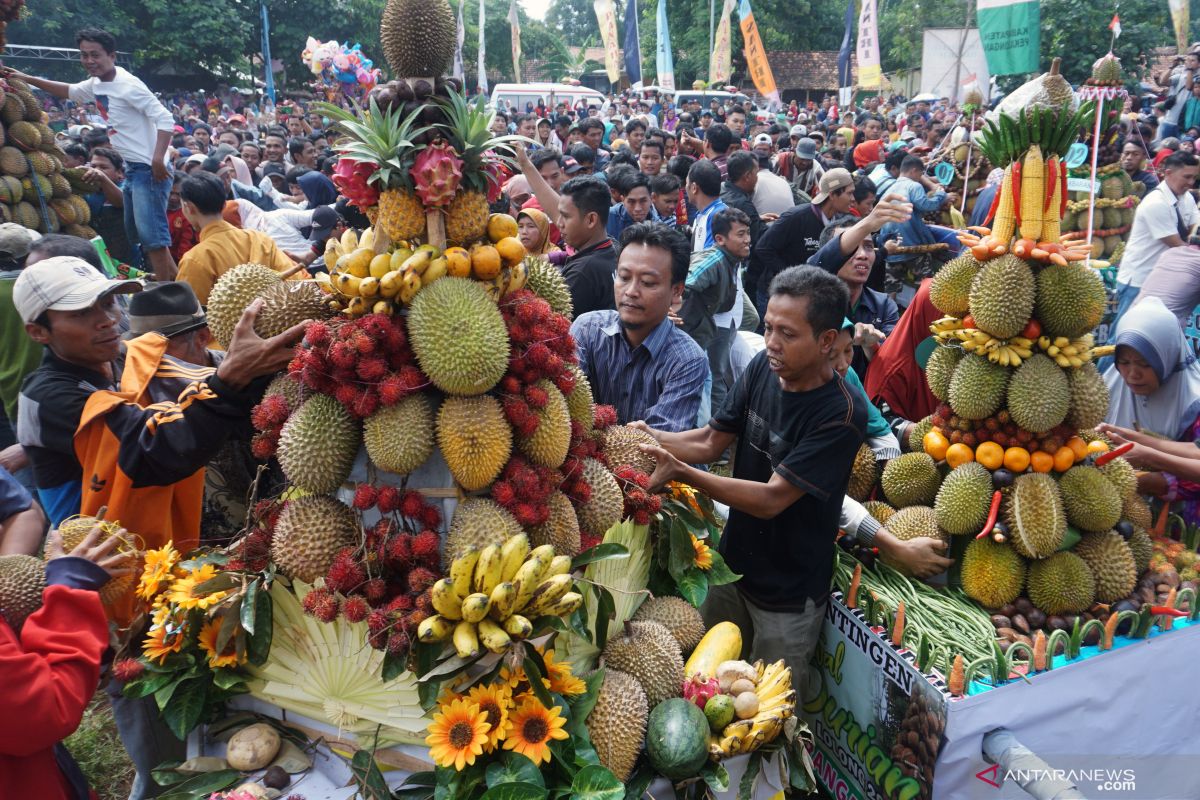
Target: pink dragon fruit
{"x": 496, "y": 174}
{"x": 436, "y": 174}
{"x": 350, "y": 178}
{"x": 699, "y": 689}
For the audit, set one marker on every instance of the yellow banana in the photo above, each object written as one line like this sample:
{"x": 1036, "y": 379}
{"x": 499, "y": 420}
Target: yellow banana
{"x": 545, "y": 552}
{"x": 1069, "y": 350}
{"x": 567, "y": 604}
{"x": 518, "y": 627}
{"x": 1044, "y": 342}
{"x": 347, "y": 284}
{"x": 466, "y": 639}
{"x": 560, "y": 565}
{"x": 368, "y": 287}
{"x": 349, "y": 240}
{"x": 1020, "y": 341}
{"x": 438, "y": 268}
{"x": 487, "y": 570}
{"x": 512, "y": 556}
{"x": 382, "y": 307}
{"x": 1075, "y": 361}
{"x": 356, "y": 307}
{"x": 776, "y": 675}
{"x": 547, "y": 593}
{"x": 1103, "y": 350}
{"x": 418, "y": 262}
{"x": 739, "y": 727}
{"x": 367, "y": 239}
{"x": 493, "y": 636}
{"x": 410, "y": 284}
{"x": 475, "y": 606}
{"x": 435, "y": 629}
{"x": 518, "y": 275}
{"x": 503, "y": 597}
{"x": 778, "y": 702}
{"x": 462, "y": 570}
{"x": 445, "y": 601}
{"x": 389, "y": 284}
{"x": 528, "y": 577}
{"x": 1061, "y": 341}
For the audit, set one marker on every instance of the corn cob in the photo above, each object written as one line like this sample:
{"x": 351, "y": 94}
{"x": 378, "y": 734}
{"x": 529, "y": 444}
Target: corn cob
{"x": 1002, "y": 229}
{"x": 1033, "y": 194}
{"x": 1051, "y": 224}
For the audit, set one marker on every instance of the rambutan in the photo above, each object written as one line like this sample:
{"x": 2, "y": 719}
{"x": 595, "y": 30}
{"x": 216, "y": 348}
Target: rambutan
{"x": 316, "y": 332}
{"x": 365, "y": 496}
{"x": 345, "y": 574}
{"x": 372, "y": 368}
{"x": 421, "y": 578}
{"x": 426, "y": 547}
{"x": 391, "y": 390}
{"x": 397, "y": 643}
{"x": 310, "y": 601}
{"x": 363, "y": 343}
{"x": 401, "y": 603}
{"x": 342, "y": 355}
{"x": 327, "y": 608}
{"x": 366, "y": 403}
{"x": 355, "y": 609}
{"x": 431, "y": 516}
{"x": 641, "y": 517}
{"x": 389, "y": 499}
{"x": 412, "y": 379}
{"x": 345, "y": 394}
{"x": 510, "y": 385}
{"x": 375, "y": 590}
{"x": 378, "y": 622}
{"x": 536, "y": 396}
{"x": 411, "y": 504}
{"x": 263, "y": 445}
{"x": 128, "y": 669}
{"x": 415, "y": 618}
{"x": 528, "y": 515}
{"x": 603, "y": 416}
{"x": 399, "y": 550}
{"x": 502, "y": 493}
{"x": 424, "y": 602}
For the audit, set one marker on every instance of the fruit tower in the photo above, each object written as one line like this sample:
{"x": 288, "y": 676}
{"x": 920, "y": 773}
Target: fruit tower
{"x": 1010, "y": 461}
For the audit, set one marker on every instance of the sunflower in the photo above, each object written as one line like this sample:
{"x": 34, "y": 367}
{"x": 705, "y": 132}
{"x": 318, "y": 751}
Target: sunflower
{"x": 531, "y": 726}
{"x": 183, "y": 591}
{"x": 165, "y": 636}
{"x": 513, "y": 676}
{"x": 681, "y": 491}
{"x": 495, "y": 700}
{"x": 157, "y": 570}
{"x": 457, "y": 735}
{"x": 207, "y": 639}
{"x": 560, "y": 678}
{"x": 703, "y": 558}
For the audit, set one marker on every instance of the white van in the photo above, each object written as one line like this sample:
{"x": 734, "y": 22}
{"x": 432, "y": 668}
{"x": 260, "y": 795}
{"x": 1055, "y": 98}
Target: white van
{"x": 517, "y": 95}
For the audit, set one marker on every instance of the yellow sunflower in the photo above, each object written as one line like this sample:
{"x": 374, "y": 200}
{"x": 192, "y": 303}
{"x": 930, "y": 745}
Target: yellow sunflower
{"x": 165, "y": 636}
{"x": 513, "y": 676}
{"x": 208, "y": 643}
{"x": 531, "y": 726}
{"x": 157, "y": 570}
{"x": 495, "y": 700}
{"x": 681, "y": 491}
{"x": 560, "y": 678}
{"x": 703, "y": 558}
{"x": 183, "y": 591}
{"x": 457, "y": 734}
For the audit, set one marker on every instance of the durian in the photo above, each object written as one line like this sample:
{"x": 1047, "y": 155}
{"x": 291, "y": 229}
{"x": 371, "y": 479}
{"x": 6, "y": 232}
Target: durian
{"x": 622, "y": 445}
{"x": 549, "y": 443}
{"x": 75, "y": 529}
{"x": 1091, "y": 501}
{"x": 1137, "y": 511}
{"x": 879, "y": 510}
{"x": 1001, "y": 297}
{"x": 561, "y": 530}
{"x": 1061, "y": 584}
{"x": 1070, "y": 299}
{"x": 992, "y": 573}
{"x": 950, "y": 291}
{"x": 678, "y": 616}
{"x": 318, "y": 444}
{"x": 606, "y": 505}
{"x": 617, "y": 723}
{"x": 478, "y": 522}
{"x": 418, "y": 37}
{"x": 232, "y": 293}
{"x": 399, "y": 438}
{"x": 977, "y": 387}
{"x": 580, "y": 401}
{"x": 863, "y": 473}
{"x": 649, "y": 653}
{"x": 914, "y": 440}
{"x": 1121, "y": 475}
{"x": 475, "y": 439}
{"x": 458, "y": 335}
{"x": 964, "y": 498}
{"x": 309, "y": 533}
{"x": 912, "y": 522}
{"x": 1089, "y": 397}
{"x": 1142, "y": 547}
{"x": 939, "y": 370}
{"x": 288, "y": 303}
{"x": 1039, "y": 395}
{"x": 911, "y": 479}
{"x": 546, "y": 281}
{"x": 1033, "y": 512}
{"x": 1111, "y": 562}
{"x": 22, "y": 580}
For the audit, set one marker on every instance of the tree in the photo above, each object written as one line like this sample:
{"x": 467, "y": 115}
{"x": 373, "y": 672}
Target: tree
{"x": 1078, "y": 31}
{"x": 575, "y": 20}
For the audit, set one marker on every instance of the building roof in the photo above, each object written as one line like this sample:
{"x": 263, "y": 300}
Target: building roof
{"x": 794, "y": 69}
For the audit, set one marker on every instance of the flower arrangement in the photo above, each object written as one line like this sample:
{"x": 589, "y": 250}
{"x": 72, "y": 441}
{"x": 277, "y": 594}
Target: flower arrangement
{"x": 686, "y": 532}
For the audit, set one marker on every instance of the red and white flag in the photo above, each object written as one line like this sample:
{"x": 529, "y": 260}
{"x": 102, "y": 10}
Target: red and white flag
{"x": 1115, "y": 25}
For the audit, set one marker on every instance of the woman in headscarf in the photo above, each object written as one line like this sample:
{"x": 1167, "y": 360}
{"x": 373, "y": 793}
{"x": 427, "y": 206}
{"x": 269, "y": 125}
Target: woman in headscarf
{"x": 533, "y": 229}
{"x": 1154, "y": 390}
{"x": 318, "y": 189}
{"x": 241, "y": 183}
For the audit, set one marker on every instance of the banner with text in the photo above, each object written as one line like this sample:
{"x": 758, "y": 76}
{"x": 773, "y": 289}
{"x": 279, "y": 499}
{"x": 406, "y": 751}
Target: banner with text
{"x": 482, "y": 82}
{"x": 870, "y": 75}
{"x": 1011, "y": 35}
{"x": 664, "y": 60}
{"x": 515, "y": 22}
{"x": 606, "y": 15}
{"x": 756, "y": 55}
{"x": 720, "y": 64}
{"x": 1180, "y": 14}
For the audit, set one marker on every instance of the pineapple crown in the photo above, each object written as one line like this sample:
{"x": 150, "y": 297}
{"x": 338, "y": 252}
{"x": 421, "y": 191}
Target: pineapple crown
{"x": 468, "y": 127}
{"x": 382, "y": 138}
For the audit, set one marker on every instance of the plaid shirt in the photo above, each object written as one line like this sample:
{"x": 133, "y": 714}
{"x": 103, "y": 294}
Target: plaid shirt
{"x": 660, "y": 381}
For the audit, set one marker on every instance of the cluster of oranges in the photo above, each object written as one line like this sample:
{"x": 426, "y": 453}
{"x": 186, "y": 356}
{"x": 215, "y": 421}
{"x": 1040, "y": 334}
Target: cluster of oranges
{"x": 1016, "y": 459}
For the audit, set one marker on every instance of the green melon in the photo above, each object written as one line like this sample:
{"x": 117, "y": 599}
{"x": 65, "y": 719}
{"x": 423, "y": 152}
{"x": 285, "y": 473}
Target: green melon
{"x": 677, "y": 738}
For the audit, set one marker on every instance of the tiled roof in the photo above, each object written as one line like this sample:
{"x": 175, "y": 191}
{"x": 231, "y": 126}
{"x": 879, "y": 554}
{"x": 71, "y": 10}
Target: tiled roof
{"x": 794, "y": 69}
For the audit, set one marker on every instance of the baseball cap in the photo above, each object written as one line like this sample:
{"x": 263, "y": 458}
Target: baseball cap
{"x": 806, "y": 149}
{"x": 570, "y": 165}
{"x": 169, "y": 308}
{"x": 324, "y": 220}
{"x": 798, "y": 131}
{"x": 15, "y": 241}
{"x": 196, "y": 158}
{"x": 63, "y": 283}
{"x": 908, "y": 135}
{"x": 272, "y": 168}
{"x": 831, "y": 181}
{"x": 237, "y": 118}
{"x": 762, "y": 138}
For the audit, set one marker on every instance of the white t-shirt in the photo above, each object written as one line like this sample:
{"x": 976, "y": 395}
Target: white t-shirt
{"x": 773, "y": 195}
{"x": 1154, "y": 219}
{"x": 130, "y": 109}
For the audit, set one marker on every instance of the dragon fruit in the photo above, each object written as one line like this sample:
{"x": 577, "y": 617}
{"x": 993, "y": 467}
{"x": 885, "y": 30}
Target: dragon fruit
{"x": 436, "y": 174}
{"x": 699, "y": 689}
{"x": 350, "y": 177}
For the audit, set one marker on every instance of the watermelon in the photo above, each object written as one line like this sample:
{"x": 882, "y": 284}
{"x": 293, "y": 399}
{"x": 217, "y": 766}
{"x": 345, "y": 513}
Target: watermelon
{"x": 677, "y": 738}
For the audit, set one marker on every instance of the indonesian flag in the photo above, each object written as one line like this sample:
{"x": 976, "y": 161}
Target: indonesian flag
{"x": 1115, "y": 25}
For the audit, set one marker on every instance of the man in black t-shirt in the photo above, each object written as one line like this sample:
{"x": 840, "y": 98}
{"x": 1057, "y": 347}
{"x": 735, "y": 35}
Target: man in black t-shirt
{"x": 797, "y": 426}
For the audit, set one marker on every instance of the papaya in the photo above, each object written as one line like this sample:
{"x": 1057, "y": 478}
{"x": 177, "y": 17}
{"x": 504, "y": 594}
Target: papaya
{"x": 723, "y": 642}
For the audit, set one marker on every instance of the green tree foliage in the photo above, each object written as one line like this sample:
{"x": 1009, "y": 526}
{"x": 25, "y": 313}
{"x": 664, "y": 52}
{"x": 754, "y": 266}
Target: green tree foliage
{"x": 1078, "y": 31}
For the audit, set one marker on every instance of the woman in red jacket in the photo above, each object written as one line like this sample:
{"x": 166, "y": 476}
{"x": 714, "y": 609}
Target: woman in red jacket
{"x": 50, "y": 670}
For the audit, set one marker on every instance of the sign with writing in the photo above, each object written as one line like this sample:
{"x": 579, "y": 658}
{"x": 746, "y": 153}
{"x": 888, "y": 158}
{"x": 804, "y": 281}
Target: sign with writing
{"x": 1076, "y": 155}
{"x": 1082, "y": 185}
{"x": 1009, "y": 30}
{"x": 877, "y": 720}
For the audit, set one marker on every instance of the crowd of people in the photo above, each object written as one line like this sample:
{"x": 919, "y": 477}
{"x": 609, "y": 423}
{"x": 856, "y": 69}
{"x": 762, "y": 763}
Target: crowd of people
{"x": 733, "y": 294}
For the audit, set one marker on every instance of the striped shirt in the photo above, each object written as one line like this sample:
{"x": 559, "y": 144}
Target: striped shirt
{"x": 660, "y": 381}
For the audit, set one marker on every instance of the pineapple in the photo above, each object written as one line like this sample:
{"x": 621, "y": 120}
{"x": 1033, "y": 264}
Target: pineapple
{"x": 467, "y": 217}
{"x": 401, "y": 214}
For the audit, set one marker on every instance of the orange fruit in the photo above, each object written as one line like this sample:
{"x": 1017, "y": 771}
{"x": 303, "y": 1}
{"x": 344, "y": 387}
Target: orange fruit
{"x": 1097, "y": 446}
{"x": 1064, "y": 459}
{"x": 1041, "y": 462}
{"x": 1079, "y": 447}
{"x": 501, "y": 226}
{"x": 1016, "y": 459}
{"x": 990, "y": 455}
{"x": 511, "y": 251}
{"x": 458, "y": 262}
{"x": 485, "y": 262}
{"x": 958, "y": 454}
{"x": 935, "y": 444}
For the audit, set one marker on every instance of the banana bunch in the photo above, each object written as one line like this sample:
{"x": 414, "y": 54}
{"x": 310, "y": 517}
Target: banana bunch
{"x": 1012, "y": 352}
{"x": 492, "y": 596}
{"x": 945, "y": 329}
{"x": 369, "y": 282}
{"x": 776, "y": 702}
{"x": 1073, "y": 352}
{"x": 350, "y": 241}
{"x": 509, "y": 280}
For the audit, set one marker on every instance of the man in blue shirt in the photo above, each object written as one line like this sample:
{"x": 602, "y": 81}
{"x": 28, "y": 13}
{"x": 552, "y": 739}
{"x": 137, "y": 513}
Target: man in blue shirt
{"x": 704, "y": 192}
{"x": 926, "y": 197}
{"x": 635, "y": 206}
{"x": 635, "y": 358}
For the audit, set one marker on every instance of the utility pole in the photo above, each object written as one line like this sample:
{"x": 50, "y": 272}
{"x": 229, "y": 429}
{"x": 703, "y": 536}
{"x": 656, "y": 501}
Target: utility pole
{"x": 962, "y": 45}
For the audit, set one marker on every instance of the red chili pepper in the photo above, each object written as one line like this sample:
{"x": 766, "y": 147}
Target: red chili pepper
{"x": 1104, "y": 458}
{"x": 993, "y": 512}
{"x": 1016, "y": 190}
{"x": 995, "y": 205}
{"x": 1170, "y": 612}
{"x": 1051, "y": 179}
{"x": 1062, "y": 202}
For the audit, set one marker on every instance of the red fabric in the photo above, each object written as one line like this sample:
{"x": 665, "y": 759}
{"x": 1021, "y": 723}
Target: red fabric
{"x": 50, "y": 675}
{"x": 1161, "y": 156}
{"x": 183, "y": 235}
{"x": 868, "y": 153}
{"x": 555, "y": 236}
{"x": 894, "y": 376}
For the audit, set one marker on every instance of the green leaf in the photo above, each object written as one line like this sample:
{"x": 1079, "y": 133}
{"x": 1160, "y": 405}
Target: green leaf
{"x": 394, "y": 665}
{"x": 639, "y": 781}
{"x": 163, "y": 695}
{"x": 258, "y": 646}
{"x": 746, "y": 786}
{"x": 535, "y": 670}
{"x": 371, "y": 785}
{"x": 720, "y": 573}
{"x": 186, "y": 707}
{"x": 427, "y": 694}
{"x": 683, "y": 554}
{"x": 716, "y": 776}
{"x": 515, "y": 791}
{"x": 596, "y": 783}
{"x": 514, "y": 768}
{"x": 601, "y": 552}
{"x": 249, "y": 605}
{"x": 222, "y": 582}
{"x": 202, "y": 785}
{"x": 229, "y": 624}
{"x": 448, "y": 668}
{"x": 227, "y": 679}
{"x": 151, "y": 683}
{"x": 693, "y": 585}
{"x": 606, "y": 609}
{"x": 165, "y": 775}
{"x": 582, "y": 705}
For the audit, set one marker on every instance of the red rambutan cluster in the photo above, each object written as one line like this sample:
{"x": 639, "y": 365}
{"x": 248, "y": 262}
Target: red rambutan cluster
{"x": 128, "y": 669}
{"x": 524, "y": 489}
{"x": 541, "y": 340}
{"x": 268, "y": 418}
{"x": 253, "y": 552}
{"x": 640, "y": 503}
{"x": 363, "y": 363}
{"x": 584, "y": 444}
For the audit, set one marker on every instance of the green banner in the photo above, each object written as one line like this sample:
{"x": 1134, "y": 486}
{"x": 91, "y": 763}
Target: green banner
{"x": 1009, "y": 30}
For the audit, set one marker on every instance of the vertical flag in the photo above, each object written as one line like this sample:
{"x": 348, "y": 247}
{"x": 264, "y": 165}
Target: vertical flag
{"x": 844, "y": 51}
{"x": 1115, "y": 25}
{"x": 269, "y": 78}
{"x": 515, "y": 21}
{"x": 870, "y": 76}
{"x": 460, "y": 38}
{"x": 720, "y": 65}
{"x": 664, "y": 61}
{"x": 1011, "y": 36}
{"x": 606, "y": 15}
{"x": 1180, "y": 20}
{"x": 482, "y": 83}
{"x": 756, "y": 55}
{"x": 633, "y": 47}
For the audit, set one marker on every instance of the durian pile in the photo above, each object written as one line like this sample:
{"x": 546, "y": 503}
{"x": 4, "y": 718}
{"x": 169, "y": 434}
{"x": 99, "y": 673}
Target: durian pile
{"x": 35, "y": 189}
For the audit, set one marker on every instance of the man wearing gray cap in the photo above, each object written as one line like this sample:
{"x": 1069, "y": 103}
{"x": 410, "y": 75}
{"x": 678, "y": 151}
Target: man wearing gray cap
{"x": 801, "y": 168}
